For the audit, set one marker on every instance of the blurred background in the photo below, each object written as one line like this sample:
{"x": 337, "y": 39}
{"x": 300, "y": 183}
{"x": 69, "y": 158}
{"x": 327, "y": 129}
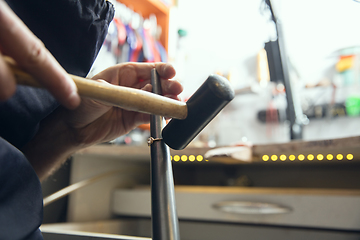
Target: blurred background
{"x": 295, "y": 68}
{"x": 228, "y": 38}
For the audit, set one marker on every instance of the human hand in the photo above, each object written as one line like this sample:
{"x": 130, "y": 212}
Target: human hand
{"x": 66, "y": 131}
{"x": 94, "y": 122}
{"x": 18, "y": 42}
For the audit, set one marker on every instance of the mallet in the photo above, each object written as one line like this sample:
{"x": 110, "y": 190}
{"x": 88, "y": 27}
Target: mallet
{"x": 212, "y": 96}
{"x": 188, "y": 118}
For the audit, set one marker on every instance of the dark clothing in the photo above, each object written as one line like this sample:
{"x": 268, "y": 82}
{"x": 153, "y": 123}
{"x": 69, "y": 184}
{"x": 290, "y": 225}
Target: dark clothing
{"x": 20, "y": 196}
{"x": 73, "y": 31}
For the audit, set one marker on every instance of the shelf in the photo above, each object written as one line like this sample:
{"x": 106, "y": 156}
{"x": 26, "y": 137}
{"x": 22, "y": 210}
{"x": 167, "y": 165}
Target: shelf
{"x": 147, "y": 7}
{"x": 322, "y": 151}
{"x": 334, "y": 147}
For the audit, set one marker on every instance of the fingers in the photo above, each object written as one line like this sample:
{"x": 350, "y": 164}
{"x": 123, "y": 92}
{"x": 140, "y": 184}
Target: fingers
{"x": 28, "y": 51}
{"x": 171, "y": 87}
{"x": 143, "y": 70}
{"x": 166, "y": 72}
{"x": 137, "y": 75}
{"x": 147, "y": 87}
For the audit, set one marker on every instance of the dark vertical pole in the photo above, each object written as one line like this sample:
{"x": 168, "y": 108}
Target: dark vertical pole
{"x": 294, "y": 111}
{"x": 165, "y": 224}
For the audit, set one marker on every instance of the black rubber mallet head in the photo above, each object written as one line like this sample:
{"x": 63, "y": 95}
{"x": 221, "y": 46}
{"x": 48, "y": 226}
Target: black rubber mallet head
{"x": 212, "y": 96}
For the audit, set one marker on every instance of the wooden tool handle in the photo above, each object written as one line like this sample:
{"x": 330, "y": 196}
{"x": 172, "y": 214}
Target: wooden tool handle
{"x": 124, "y": 97}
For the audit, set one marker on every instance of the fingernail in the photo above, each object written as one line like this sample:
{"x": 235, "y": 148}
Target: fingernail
{"x": 148, "y": 87}
{"x": 73, "y": 100}
{"x": 169, "y": 86}
{"x": 166, "y": 67}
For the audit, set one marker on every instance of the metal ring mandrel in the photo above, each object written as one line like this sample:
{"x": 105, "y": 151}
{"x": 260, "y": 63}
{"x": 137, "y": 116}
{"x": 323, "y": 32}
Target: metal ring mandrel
{"x": 165, "y": 224}
{"x": 212, "y": 96}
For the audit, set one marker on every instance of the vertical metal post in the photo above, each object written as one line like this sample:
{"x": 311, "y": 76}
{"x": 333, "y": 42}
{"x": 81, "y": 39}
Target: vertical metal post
{"x": 294, "y": 111}
{"x": 164, "y": 220}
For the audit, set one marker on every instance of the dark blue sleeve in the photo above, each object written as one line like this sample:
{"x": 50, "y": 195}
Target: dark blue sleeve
{"x": 20, "y": 195}
{"x": 73, "y": 31}
{"x": 21, "y": 114}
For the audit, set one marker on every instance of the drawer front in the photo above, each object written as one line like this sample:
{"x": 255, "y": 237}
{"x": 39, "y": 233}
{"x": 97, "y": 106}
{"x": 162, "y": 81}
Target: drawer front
{"x": 300, "y": 208}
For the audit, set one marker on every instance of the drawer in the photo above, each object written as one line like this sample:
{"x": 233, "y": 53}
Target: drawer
{"x": 310, "y": 208}
{"x": 128, "y": 228}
